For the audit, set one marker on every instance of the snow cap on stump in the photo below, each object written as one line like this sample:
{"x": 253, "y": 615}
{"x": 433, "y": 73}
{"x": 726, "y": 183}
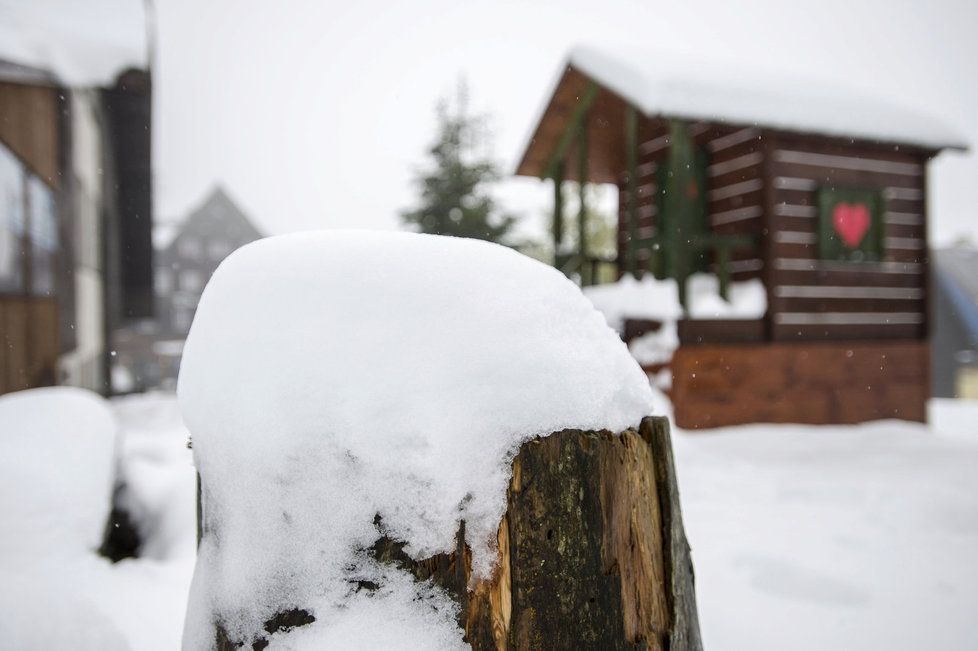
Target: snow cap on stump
{"x": 332, "y": 377}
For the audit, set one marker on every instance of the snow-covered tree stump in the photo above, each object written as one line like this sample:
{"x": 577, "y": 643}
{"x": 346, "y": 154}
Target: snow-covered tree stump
{"x": 592, "y": 553}
{"x": 397, "y": 438}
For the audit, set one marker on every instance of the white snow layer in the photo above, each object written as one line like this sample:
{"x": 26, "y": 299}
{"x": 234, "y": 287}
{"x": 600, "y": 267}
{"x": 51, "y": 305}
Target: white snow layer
{"x": 659, "y": 84}
{"x": 59, "y": 455}
{"x": 651, "y": 298}
{"x": 81, "y": 43}
{"x": 56, "y": 480}
{"x": 333, "y": 376}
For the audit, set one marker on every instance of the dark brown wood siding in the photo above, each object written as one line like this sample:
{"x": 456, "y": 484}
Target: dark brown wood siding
{"x": 28, "y": 343}
{"x": 653, "y": 142}
{"x": 812, "y": 299}
{"x": 30, "y": 126}
{"x": 735, "y": 183}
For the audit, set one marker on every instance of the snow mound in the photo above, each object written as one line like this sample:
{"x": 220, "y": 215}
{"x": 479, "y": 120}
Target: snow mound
{"x": 332, "y": 377}
{"x": 56, "y": 479}
{"x": 56, "y": 473}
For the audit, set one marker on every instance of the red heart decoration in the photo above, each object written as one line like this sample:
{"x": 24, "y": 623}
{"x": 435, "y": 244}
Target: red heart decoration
{"x": 851, "y": 221}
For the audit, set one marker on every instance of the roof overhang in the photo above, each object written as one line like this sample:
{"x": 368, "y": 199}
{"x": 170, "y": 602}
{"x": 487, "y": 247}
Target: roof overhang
{"x": 701, "y": 92}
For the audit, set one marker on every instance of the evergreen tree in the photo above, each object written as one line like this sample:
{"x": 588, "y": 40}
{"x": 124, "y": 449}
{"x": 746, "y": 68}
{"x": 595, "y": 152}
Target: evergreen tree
{"x": 453, "y": 190}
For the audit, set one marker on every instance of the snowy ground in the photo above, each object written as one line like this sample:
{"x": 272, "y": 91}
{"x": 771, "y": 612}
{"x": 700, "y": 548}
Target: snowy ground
{"x": 836, "y": 538}
{"x": 803, "y": 537}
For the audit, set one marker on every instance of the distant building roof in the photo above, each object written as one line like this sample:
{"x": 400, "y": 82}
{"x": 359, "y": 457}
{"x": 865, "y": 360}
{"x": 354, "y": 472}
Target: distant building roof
{"x": 216, "y": 211}
{"x": 662, "y": 85}
{"x": 80, "y": 43}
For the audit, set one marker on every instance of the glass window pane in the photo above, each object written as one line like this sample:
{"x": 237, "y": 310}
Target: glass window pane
{"x": 11, "y": 221}
{"x": 44, "y": 237}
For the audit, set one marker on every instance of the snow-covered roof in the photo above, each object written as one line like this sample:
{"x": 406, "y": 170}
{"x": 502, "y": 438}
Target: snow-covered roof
{"x": 664, "y": 85}
{"x": 80, "y": 43}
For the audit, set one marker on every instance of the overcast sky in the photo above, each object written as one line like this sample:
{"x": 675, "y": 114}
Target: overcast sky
{"x": 315, "y": 114}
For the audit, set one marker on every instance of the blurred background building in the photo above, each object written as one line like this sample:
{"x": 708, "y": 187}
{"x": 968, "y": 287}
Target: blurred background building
{"x": 75, "y": 206}
{"x": 149, "y": 351}
{"x": 954, "y": 361}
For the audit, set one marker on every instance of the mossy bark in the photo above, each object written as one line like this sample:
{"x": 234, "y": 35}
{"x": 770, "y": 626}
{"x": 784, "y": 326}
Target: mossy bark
{"x": 592, "y": 552}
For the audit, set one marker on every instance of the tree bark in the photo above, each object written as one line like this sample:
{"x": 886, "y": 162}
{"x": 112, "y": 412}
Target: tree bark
{"x": 592, "y": 552}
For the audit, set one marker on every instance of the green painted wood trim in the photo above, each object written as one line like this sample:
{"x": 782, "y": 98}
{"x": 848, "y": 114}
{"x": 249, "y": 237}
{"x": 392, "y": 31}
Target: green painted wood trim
{"x": 631, "y": 153}
{"x": 571, "y": 130}
{"x": 558, "y": 226}
{"x": 582, "y": 160}
{"x": 678, "y": 209}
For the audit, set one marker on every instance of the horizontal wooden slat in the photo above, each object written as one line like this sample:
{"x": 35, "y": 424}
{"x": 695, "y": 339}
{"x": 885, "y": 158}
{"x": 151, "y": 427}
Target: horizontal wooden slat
{"x": 849, "y": 318}
{"x": 903, "y": 218}
{"x": 754, "y": 198}
{"x": 736, "y": 138}
{"x": 903, "y": 243}
{"x": 746, "y": 265}
{"x": 839, "y": 162}
{"x": 795, "y": 210}
{"x": 812, "y": 264}
{"x": 903, "y": 194}
{"x": 845, "y": 278}
{"x": 737, "y": 189}
{"x": 744, "y": 161}
{"x": 849, "y": 292}
{"x": 810, "y": 252}
{"x": 737, "y": 176}
{"x": 845, "y": 311}
{"x": 736, "y": 215}
{"x": 836, "y": 176}
{"x": 795, "y": 237}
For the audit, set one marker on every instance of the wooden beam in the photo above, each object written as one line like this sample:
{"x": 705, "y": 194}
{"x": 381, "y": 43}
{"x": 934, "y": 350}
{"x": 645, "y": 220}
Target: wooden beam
{"x": 677, "y": 208}
{"x": 558, "y": 226}
{"x": 571, "y": 130}
{"x": 582, "y": 161}
{"x": 631, "y": 154}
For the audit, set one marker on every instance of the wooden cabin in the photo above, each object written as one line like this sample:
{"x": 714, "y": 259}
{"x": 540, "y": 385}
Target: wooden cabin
{"x": 818, "y": 192}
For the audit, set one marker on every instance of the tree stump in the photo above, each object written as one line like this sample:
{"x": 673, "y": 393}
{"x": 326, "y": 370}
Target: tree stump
{"x": 592, "y": 553}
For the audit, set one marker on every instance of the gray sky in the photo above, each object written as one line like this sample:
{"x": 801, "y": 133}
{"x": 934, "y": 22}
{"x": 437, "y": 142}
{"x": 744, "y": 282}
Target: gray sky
{"x": 314, "y": 114}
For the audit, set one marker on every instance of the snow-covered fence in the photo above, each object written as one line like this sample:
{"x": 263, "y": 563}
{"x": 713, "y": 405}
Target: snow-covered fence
{"x": 419, "y": 442}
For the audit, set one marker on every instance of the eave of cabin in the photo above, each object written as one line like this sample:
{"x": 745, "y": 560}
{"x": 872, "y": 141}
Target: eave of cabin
{"x": 553, "y": 136}
{"x": 606, "y": 104}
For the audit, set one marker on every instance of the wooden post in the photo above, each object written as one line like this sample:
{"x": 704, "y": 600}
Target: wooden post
{"x": 558, "y": 210}
{"x": 582, "y": 155}
{"x": 678, "y": 207}
{"x": 593, "y": 554}
{"x": 631, "y": 154}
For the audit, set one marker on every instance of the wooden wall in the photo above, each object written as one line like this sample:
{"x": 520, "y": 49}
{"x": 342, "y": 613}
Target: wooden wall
{"x": 811, "y": 299}
{"x": 28, "y": 343}
{"x": 653, "y": 140}
{"x": 30, "y": 126}
{"x": 764, "y": 183}
{"x": 735, "y": 187}
{"x": 813, "y": 382}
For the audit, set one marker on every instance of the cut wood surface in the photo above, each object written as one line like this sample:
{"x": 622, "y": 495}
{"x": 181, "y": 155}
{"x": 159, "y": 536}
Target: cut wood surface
{"x": 592, "y": 553}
